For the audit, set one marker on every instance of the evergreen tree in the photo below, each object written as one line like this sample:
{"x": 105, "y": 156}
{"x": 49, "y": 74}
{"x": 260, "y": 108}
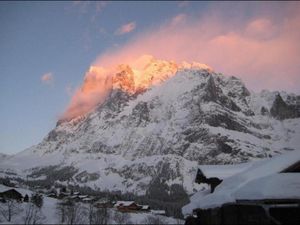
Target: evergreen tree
{"x": 37, "y": 199}
{"x": 26, "y": 198}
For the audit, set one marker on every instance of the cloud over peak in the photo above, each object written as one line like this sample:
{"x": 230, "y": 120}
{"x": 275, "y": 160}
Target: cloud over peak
{"x": 262, "y": 49}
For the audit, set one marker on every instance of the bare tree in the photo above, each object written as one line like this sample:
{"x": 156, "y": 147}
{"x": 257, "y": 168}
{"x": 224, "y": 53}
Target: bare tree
{"x": 98, "y": 216}
{"x": 179, "y": 221}
{"x": 91, "y": 211}
{"x": 33, "y": 214}
{"x": 121, "y": 218}
{"x": 154, "y": 220}
{"x": 61, "y": 209}
{"x": 9, "y": 209}
{"x": 74, "y": 214}
{"x": 37, "y": 199}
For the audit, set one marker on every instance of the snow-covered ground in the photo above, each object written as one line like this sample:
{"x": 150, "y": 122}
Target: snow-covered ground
{"x": 49, "y": 213}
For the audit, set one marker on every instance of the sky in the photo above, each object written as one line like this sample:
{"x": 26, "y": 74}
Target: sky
{"x": 47, "y": 47}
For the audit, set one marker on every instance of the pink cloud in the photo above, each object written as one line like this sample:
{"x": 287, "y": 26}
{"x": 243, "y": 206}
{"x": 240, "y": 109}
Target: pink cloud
{"x": 126, "y": 28}
{"x": 92, "y": 92}
{"x": 261, "y": 51}
{"x": 261, "y": 28}
{"x": 47, "y": 78}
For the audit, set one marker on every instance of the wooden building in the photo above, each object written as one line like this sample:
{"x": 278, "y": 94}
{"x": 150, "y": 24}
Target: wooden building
{"x": 11, "y": 194}
{"x": 267, "y": 192}
{"x": 127, "y": 206}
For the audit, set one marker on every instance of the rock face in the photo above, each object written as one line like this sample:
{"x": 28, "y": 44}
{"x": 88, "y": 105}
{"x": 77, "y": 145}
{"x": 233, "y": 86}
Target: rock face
{"x": 143, "y": 133}
{"x": 281, "y": 110}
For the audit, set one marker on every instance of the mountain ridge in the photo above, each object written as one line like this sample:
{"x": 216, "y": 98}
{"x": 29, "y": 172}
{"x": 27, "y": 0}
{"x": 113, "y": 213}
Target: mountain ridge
{"x": 133, "y": 138}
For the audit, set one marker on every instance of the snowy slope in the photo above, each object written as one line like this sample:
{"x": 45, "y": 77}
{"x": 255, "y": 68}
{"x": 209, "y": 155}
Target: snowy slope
{"x": 161, "y": 126}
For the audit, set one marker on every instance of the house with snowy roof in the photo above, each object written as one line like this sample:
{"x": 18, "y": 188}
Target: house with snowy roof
{"x": 264, "y": 192}
{"x": 127, "y": 206}
{"x": 11, "y": 194}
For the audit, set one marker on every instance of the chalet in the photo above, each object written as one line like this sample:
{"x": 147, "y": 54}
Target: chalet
{"x": 11, "y": 194}
{"x": 267, "y": 192}
{"x": 127, "y": 206}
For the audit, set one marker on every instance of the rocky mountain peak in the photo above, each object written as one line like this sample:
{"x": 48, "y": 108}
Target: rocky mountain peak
{"x": 124, "y": 79}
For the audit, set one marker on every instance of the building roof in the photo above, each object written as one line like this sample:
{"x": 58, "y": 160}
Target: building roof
{"x": 223, "y": 171}
{"x": 12, "y": 190}
{"x": 158, "y": 212}
{"x": 261, "y": 180}
{"x": 83, "y": 196}
{"x": 124, "y": 203}
{"x": 74, "y": 197}
{"x": 102, "y": 201}
{"x": 145, "y": 207}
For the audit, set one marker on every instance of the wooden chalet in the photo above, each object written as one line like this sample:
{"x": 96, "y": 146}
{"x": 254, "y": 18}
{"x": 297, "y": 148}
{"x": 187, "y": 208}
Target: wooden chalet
{"x": 127, "y": 206}
{"x": 268, "y": 192}
{"x": 11, "y": 194}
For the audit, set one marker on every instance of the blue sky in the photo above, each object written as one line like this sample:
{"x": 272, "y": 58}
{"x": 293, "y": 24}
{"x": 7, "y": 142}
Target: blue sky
{"x": 60, "y": 40}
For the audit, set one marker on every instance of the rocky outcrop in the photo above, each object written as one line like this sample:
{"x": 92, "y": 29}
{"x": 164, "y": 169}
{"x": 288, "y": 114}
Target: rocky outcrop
{"x": 281, "y": 110}
{"x": 124, "y": 79}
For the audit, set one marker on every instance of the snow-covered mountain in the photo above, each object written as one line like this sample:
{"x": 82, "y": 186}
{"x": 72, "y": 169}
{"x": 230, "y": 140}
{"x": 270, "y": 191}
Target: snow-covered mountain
{"x": 156, "y": 123}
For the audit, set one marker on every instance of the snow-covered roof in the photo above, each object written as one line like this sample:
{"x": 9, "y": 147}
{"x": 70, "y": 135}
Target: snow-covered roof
{"x": 158, "y": 212}
{"x": 145, "y": 206}
{"x": 73, "y": 197}
{"x": 261, "y": 180}
{"x": 102, "y": 201}
{"x": 123, "y": 203}
{"x": 223, "y": 171}
{"x": 21, "y": 190}
{"x": 275, "y": 186}
{"x": 83, "y": 196}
